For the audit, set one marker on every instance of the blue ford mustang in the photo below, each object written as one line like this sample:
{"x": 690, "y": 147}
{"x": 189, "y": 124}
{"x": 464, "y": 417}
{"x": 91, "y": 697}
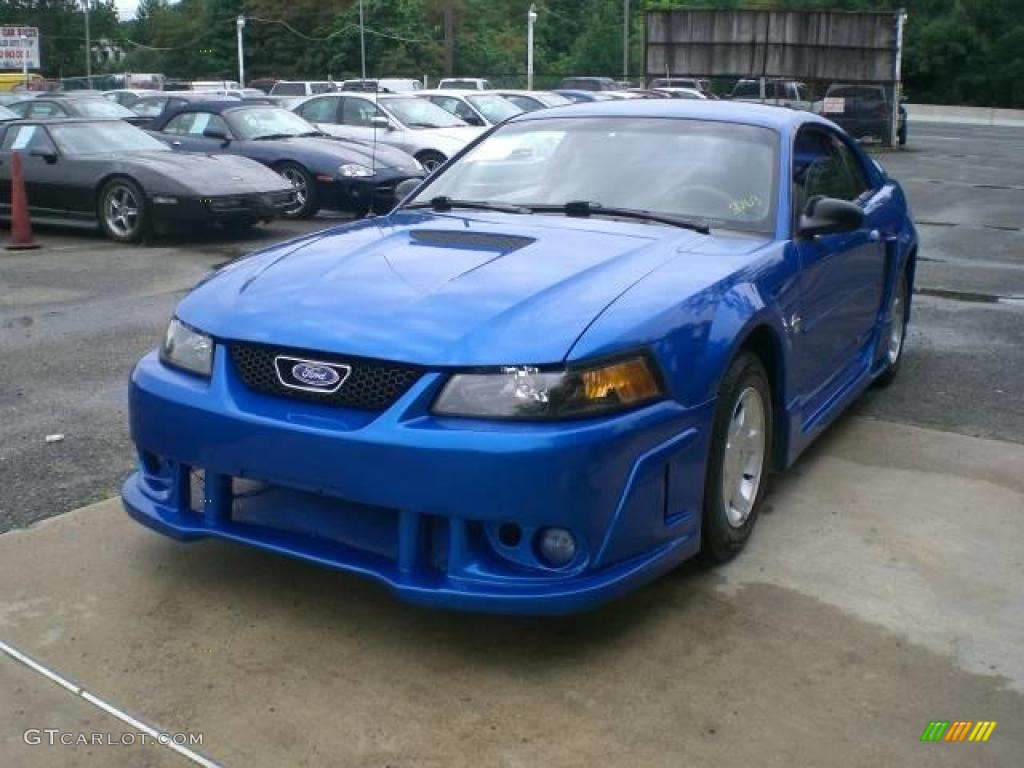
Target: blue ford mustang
{"x": 561, "y": 366}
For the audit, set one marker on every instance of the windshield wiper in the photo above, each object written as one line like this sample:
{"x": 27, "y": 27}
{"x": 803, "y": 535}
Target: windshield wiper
{"x": 312, "y": 133}
{"x": 273, "y": 136}
{"x": 443, "y": 204}
{"x": 585, "y": 208}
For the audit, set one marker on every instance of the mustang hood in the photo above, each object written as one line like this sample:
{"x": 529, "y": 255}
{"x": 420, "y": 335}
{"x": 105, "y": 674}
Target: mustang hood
{"x": 441, "y": 289}
{"x": 207, "y": 174}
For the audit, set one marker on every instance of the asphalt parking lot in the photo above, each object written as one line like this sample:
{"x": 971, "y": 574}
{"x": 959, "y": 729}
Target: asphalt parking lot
{"x": 883, "y": 589}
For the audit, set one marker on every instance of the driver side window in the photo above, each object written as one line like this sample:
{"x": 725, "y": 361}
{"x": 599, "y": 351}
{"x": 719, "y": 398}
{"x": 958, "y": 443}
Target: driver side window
{"x": 28, "y": 138}
{"x": 359, "y": 112}
{"x": 324, "y": 110}
{"x": 820, "y": 168}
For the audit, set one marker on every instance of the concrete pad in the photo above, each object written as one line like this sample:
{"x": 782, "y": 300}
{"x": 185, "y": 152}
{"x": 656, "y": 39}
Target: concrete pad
{"x": 30, "y": 701}
{"x": 882, "y": 591}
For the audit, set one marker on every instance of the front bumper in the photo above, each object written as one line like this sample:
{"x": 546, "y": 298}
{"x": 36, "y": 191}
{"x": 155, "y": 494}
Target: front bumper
{"x": 376, "y": 193}
{"x": 417, "y": 502}
{"x": 251, "y": 206}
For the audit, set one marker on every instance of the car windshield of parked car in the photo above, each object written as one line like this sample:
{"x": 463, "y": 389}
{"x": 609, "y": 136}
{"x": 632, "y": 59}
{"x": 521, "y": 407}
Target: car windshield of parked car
{"x": 101, "y": 108}
{"x": 7, "y": 114}
{"x": 494, "y": 108}
{"x": 104, "y": 138}
{"x": 414, "y": 112}
{"x": 722, "y": 173}
{"x": 267, "y": 122}
{"x": 149, "y": 107}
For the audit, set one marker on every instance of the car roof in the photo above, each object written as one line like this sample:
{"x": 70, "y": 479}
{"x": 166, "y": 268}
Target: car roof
{"x": 781, "y": 119}
{"x": 452, "y": 92}
{"x": 62, "y": 120}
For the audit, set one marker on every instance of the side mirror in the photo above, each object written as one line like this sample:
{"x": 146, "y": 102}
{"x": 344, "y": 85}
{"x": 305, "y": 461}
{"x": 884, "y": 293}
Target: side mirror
{"x": 474, "y": 120}
{"x": 827, "y": 216}
{"x": 405, "y": 188}
{"x": 382, "y": 123}
{"x": 216, "y": 133}
{"x": 46, "y": 154}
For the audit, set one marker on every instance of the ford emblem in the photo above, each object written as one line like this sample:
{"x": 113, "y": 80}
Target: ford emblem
{"x": 315, "y": 375}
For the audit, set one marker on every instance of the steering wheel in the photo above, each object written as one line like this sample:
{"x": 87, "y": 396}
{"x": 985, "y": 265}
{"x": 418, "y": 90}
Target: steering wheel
{"x": 719, "y": 199}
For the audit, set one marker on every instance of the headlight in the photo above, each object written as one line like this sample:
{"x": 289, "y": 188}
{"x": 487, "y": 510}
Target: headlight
{"x": 532, "y": 395}
{"x": 187, "y": 348}
{"x": 354, "y": 170}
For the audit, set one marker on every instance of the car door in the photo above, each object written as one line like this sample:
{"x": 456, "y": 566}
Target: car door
{"x": 46, "y": 177}
{"x": 841, "y": 275}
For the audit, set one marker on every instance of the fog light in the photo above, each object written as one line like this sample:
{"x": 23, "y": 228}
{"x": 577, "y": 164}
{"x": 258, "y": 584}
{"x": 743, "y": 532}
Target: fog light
{"x": 557, "y": 546}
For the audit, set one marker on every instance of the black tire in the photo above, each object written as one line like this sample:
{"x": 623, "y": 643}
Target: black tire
{"x": 431, "y": 160}
{"x": 722, "y": 538}
{"x": 122, "y": 210}
{"x": 305, "y": 189}
{"x": 893, "y": 352}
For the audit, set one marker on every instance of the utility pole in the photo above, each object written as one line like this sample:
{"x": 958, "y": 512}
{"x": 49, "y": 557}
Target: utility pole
{"x": 239, "y": 26}
{"x": 625, "y": 39}
{"x": 24, "y": 61}
{"x": 88, "y": 46}
{"x": 449, "y": 37}
{"x": 362, "y": 40}
{"x": 531, "y": 19}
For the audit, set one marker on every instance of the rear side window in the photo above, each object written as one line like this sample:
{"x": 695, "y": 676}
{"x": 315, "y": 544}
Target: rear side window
{"x": 46, "y": 109}
{"x": 320, "y": 88}
{"x": 149, "y": 107}
{"x": 27, "y": 138}
{"x": 748, "y": 90}
{"x": 288, "y": 89}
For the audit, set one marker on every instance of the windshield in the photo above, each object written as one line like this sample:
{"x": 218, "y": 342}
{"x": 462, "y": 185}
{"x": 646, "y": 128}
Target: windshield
{"x": 101, "y": 108}
{"x": 7, "y": 114}
{"x": 722, "y": 173}
{"x": 414, "y": 112}
{"x": 261, "y": 122}
{"x": 103, "y": 138}
{"x": 494, "y": 108}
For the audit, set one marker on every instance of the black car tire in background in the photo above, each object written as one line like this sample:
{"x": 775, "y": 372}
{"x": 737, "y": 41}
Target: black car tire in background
{"x": 431, "y": 160}
{"x": 305, "y": 190}
{"x": 745, "y": 383}
{"x": 121, "y": 208}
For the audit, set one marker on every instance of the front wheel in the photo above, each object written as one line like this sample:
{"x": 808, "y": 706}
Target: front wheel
{"x": 431, "y": 160}
{"x": 738, "y": 461}
{"x": 122, "y": 211}
{"x": 896, "y": 338}
{"x": 306, "y": 201}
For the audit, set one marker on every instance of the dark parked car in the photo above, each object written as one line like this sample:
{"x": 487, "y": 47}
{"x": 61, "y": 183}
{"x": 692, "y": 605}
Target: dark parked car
{"x": 866, "y": 111}
{"x": 326, "y": 172}
{"x": 113, "y": 174}
{"x": 588, "y": 84}
{"x": 94, "y": 107}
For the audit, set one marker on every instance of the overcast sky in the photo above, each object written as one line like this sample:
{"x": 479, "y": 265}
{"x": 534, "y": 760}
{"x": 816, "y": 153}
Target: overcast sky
{"x": 126, "y": 8}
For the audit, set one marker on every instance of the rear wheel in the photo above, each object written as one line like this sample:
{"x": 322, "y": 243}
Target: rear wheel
{"x": 122, "y": 211}
{"x": 738, "y": 460}
{"x": 306, "y": 200}
{"x": 895, "y": 339}
{"x": 431, "y": 160}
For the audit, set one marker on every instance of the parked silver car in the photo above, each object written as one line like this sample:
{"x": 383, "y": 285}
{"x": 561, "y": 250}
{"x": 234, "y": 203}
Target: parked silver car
{"x": 412, "y": 124}
{"x": 531, "y": 101}
{"x": 474, "y": 107}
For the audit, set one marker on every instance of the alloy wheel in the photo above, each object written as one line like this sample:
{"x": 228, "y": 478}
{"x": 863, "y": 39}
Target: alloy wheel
{"x": 121, "y": 211}
{"x": 897, "y": 325}
{"x": 744, "y": 456}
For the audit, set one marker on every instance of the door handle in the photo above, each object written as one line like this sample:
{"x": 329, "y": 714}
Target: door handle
{"x": 178, "y": 144}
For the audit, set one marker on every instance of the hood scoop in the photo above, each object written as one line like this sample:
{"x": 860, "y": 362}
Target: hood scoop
{"x": 481, "y": 241}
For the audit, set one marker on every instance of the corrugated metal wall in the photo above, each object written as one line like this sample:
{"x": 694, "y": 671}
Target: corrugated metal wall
{"x": 803, "y": 45}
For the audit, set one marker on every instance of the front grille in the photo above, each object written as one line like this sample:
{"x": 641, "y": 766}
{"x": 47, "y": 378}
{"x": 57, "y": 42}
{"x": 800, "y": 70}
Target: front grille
{"x": 371, "y": 385}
